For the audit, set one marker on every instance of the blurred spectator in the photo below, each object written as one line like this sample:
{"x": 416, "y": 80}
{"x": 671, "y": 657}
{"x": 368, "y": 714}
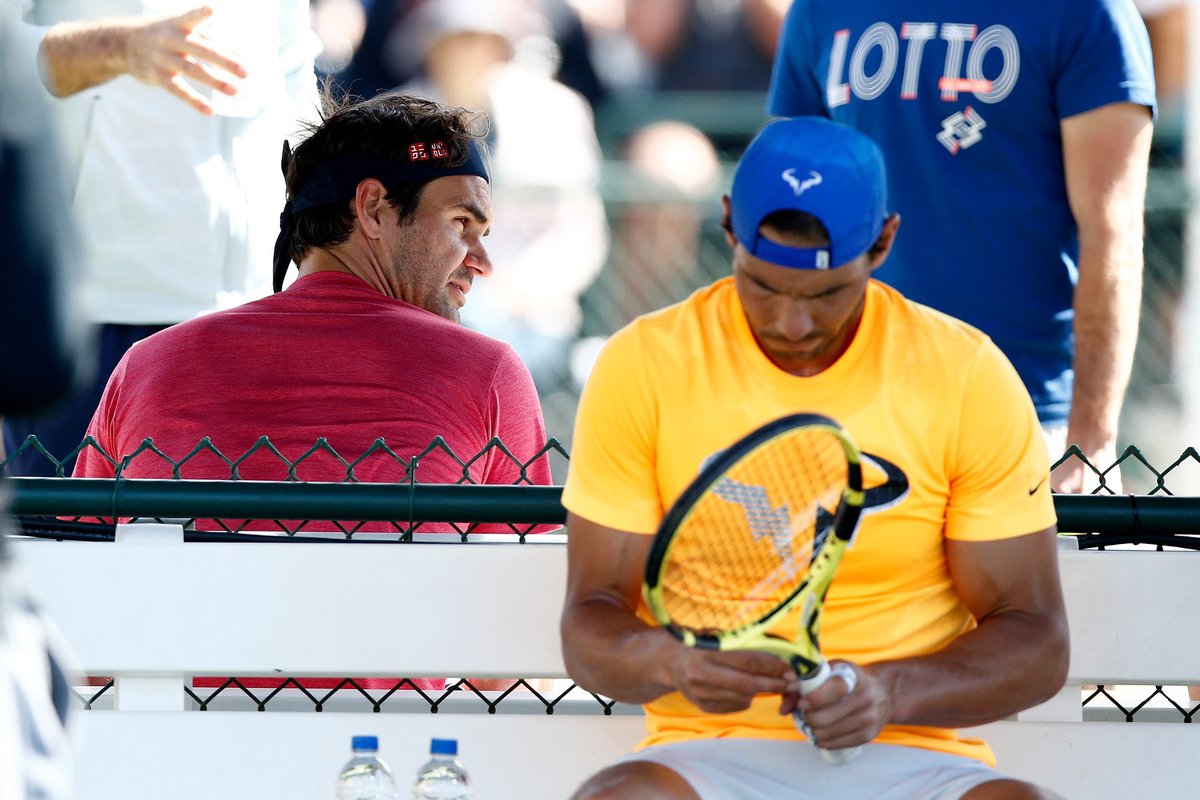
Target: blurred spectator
{"x": 673, "y": 170}
{"x": 41, "y": 341}
{"x": 1167, "y": 24}
{"x": 340, "y": 25}
{"x": 683, "y": 45}
{"x": 388, "y": 203}
{"x": 645, "y": 48}
{"x": 385, "y": 59}
{"x": 552, "y": 236}
{"x": 659, "y": 59}
{"x": 175, "y": 205}
{"x": 44, "y": 349}
{"x": 1018, "y": 150}
{"x": 1153, "y": 417}
{"x": 35, "y": 719}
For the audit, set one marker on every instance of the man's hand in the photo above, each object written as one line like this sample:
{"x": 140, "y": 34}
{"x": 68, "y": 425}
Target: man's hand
{"x": 167, "y": 52}
{"x": 722, "y": 682}
{"x": 1075, "y": 477}
{"x": 839, "y": 719}
{"x": 1015, "y": 657}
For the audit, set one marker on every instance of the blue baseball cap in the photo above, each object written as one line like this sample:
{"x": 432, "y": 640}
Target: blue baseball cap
{"x": 814, "y": 165}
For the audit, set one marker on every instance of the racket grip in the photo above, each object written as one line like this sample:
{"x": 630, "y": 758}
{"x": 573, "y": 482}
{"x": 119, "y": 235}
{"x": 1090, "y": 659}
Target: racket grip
{"x": 817, "y": 678}
{"x": 839, "y": 757}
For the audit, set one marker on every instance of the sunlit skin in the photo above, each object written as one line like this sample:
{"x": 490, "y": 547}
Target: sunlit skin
{"x": 436, "y": 254}
{"x": 430, "y": 259}
{"x": 804, "y": 319}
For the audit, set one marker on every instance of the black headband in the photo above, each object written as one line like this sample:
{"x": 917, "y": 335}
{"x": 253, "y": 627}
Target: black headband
{"x": 337, "y": 180}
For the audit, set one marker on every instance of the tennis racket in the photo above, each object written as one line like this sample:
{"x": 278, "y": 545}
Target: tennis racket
{"x": 757, "y": 535}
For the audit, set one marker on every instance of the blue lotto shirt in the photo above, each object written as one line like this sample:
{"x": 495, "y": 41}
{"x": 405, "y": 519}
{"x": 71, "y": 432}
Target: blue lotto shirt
{"x": 965, "y": 99}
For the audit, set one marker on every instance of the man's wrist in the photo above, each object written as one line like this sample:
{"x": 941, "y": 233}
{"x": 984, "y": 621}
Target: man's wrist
{"x": 1090, "y": 439}
{"x": 74, "y": 56}
{"x": 890, "y": 674}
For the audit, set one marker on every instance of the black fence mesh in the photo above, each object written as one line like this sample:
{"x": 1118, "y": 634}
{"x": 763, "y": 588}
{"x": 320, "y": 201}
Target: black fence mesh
{"x": 401, "y": 521}
{"x": 219, "y": 465}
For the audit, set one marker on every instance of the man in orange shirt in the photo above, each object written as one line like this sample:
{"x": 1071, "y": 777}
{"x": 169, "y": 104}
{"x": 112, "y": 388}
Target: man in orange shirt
{"x": 948, "y": 608}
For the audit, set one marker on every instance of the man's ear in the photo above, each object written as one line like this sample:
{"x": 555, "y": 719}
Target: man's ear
{"x": 370, "y": 203}
{"x": 727, "y": 221}
{"x": 887, "y": 237}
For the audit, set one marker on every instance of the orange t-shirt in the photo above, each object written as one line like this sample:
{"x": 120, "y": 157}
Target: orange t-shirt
{"x": 930, "y": 401}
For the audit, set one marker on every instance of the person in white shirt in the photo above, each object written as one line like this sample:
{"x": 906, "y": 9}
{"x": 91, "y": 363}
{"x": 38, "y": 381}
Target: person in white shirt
{"x": 499, "y": 58}
{"x": 169, "y": 127}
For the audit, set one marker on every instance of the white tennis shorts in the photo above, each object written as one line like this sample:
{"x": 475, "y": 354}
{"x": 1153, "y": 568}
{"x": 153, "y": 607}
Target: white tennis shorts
{"x": 769, "y": 769}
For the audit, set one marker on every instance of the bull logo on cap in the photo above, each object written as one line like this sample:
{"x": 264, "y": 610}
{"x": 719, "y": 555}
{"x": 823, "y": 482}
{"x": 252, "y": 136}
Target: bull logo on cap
{"x": 801, "y": 186}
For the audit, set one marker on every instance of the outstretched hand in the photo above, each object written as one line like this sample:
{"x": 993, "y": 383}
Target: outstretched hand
{"x": 168, "y": 52}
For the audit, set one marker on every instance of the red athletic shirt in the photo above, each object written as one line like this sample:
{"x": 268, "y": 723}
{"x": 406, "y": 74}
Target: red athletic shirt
{"x": 333, "y": 358}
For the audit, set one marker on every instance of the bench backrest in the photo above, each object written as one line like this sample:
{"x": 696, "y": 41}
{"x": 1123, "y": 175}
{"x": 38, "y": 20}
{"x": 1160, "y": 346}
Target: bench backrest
{"x": 153, "y": 610}
{"x": 487, "y": 610}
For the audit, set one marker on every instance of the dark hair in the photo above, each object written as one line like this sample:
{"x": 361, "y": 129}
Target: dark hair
{"x": 797, "y": 225}
{"x": 803, "y": 226}
{"x": 381, "y": 127}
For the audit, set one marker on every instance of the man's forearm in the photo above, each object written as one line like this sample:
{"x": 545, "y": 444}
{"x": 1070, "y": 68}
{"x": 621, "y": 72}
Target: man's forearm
{"x": 1105, "y": 152}
{"x": 609, "y": 651}
{"x": 1107, "y": 306}
{"x": 1011, "y": 662}
{"x": 79, "y": 55}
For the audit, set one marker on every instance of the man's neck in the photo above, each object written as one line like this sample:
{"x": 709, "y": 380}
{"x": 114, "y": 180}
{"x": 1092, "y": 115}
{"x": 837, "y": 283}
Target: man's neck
{"x": 336, "y": 260}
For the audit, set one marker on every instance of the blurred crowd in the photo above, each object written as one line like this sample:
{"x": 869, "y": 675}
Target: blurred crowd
{"x": 675, "y": 88}
{"x": 613, "y": 125}
{"x": 595, "y": 188}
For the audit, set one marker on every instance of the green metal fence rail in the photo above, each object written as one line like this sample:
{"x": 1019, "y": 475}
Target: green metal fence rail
{"x": 1153, "y": 519}
{"x": 397, "y": 501}
{"x": 428, "y": 502}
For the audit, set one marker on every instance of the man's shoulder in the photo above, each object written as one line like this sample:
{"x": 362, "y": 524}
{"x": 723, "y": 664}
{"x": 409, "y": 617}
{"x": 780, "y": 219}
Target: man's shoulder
{"x": 366, "y": 322}
{"x": 192, "y": 342}
{"x": 918, "y": 324}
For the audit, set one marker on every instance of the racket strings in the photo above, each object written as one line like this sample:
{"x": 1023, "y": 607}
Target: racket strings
{"x": 747, "y": 544}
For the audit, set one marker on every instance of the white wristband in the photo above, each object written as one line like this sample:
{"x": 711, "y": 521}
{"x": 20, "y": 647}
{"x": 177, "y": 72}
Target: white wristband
{"x": 848, "y": 675}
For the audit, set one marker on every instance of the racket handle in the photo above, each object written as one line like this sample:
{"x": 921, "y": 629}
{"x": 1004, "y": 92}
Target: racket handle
{"x": 817, "y": 678}
{"x": 839, "y": 757}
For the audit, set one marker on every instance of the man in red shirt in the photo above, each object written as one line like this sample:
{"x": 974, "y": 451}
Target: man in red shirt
{"x": 388, "y": 204}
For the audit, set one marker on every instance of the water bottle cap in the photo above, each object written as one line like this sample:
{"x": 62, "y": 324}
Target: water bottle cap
{"x": 364, "y": 743}
{"x": 445, "y": 747}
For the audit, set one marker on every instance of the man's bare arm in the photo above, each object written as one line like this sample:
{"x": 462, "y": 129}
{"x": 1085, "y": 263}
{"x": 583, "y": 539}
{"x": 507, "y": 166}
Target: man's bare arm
{"x": 1015, "y": 658}
{"x": 1105, "y": 156}
{"x": 159, "y": 51}
{"x": 609, "y": 650}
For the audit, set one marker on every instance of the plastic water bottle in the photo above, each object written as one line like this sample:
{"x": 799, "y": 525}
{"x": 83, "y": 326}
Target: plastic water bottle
{"x": 366, "y": 776}
{"x": 442, "y": 777}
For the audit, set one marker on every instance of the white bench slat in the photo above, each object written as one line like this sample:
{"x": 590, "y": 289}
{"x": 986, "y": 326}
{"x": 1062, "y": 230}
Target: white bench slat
{"x": 490, "y": 610}
{"x": 1134, "y": 615}
{"x": 1100, "y": 760}
{"x": 303, "y": 609}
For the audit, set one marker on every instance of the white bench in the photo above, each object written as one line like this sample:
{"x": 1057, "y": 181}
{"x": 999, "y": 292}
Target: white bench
{"x": 152, "y": 610}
